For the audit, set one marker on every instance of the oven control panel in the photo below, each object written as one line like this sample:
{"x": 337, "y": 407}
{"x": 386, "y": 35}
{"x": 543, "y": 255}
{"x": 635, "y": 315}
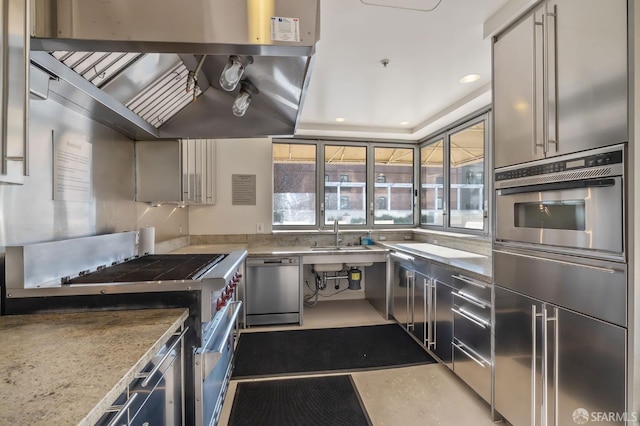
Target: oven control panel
{"x": 573, "y": 164}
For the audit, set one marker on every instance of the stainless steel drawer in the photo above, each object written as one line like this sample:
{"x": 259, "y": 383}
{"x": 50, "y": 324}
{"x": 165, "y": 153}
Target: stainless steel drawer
{"x": 474, "y": 288}
{"x": 475, "y": 307}
{"x": 473, "y": 368}
{"x": 474, "y": 333}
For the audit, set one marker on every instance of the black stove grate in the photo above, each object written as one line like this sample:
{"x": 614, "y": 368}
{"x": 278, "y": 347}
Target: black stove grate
{"x": 154, "y": 267}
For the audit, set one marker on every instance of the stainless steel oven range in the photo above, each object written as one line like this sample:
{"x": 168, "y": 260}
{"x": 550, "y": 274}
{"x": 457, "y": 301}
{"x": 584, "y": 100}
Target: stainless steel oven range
{"x": 102, "y": 272}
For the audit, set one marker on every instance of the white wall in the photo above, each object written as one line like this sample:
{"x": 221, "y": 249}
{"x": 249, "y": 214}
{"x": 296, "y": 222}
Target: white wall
{"x": 237, "y": 156}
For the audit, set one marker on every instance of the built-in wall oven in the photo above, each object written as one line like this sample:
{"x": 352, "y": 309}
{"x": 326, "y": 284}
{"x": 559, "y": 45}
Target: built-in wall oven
{"x": 572, "y": 203}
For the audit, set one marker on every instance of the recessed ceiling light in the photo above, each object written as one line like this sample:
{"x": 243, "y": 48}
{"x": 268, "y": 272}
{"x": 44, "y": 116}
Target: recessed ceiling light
{"x": 404, "y": 123}
{"x": 339, "y": 119}
{"x": 469, "y": 78}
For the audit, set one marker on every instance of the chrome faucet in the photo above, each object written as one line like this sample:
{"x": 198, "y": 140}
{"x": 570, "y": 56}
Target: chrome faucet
{"x": 336, "y": 230}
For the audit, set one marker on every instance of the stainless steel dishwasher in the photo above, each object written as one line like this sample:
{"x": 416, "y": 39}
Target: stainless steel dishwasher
{"x": 273, "y": 294}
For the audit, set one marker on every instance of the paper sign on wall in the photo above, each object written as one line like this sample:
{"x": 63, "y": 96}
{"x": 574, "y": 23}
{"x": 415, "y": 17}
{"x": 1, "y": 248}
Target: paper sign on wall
{"x": 243, "y": 191}
{"x": 72, "y": 170}
{"x": 285, "y": 29}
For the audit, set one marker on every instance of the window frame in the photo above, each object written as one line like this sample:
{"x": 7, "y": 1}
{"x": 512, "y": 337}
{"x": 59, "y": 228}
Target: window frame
{"x": 370, "y": 181}
{"x": 445, "y": 135}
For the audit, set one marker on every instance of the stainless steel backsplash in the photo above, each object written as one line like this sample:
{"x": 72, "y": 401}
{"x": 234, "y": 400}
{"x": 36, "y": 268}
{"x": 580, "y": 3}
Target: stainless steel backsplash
{"x": 28, "y": 212}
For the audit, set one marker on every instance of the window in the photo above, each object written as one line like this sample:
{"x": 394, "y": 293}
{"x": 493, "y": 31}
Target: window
{"x": 294, "y": 184}
{"x": 393, "y": 186}
{"x": 345, "y": 190}
{"x": 452, "y": 178}
{"x": 432, "y": 183}
{"x": 466, "y": 177}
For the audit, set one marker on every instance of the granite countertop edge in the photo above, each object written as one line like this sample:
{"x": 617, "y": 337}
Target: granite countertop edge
{"x": 94, "y": 415}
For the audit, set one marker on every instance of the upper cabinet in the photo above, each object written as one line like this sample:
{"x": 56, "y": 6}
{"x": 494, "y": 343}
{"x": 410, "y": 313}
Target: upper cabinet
{"x": 176, "y": 171}
{"x": 14, "y": 91}
{"x": 560, "y": 81}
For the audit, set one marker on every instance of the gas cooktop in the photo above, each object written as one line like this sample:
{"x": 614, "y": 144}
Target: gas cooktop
{"x": 153, "y": 267}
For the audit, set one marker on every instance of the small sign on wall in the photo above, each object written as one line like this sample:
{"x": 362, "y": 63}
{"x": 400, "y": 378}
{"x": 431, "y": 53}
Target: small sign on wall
{"x": 243, "y": 190}
{"x": 72, "y": 170}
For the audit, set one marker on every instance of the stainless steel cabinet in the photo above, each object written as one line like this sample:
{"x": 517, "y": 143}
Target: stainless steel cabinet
{"x": 14, "y": 91}
{"x": 178, "y": 171}
{"x": 557, "y": 87}
{"x": 402, "y": 290}
{"x": 550, "y": 362}
{"x": 421, "y": 323}
{"x": 422, "y": 302}
{"x": 442, "y": 316}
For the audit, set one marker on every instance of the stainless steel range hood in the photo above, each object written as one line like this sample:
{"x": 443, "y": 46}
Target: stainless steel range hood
{"x": 126, "y": 63}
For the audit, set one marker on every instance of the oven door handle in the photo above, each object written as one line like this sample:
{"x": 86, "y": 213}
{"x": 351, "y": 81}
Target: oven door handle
{"x": 576, "y": 184}
{"x": 207, "y": 356}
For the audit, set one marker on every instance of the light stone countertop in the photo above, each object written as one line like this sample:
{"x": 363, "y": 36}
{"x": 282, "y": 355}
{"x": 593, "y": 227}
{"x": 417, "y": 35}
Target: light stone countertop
{"x": 475, "y": 265}
{"x": 209, "y": 248}
{"x": 273, "y": 250}
{"x": 68, "y": 368}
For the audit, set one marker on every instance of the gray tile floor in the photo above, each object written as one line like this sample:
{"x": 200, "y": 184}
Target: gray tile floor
{"x": 422, "y": 396}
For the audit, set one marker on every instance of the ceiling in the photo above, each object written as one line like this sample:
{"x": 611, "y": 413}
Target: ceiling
{"x": 427, "y": 51}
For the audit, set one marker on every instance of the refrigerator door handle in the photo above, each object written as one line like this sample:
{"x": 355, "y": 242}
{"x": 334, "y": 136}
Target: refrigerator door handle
{"x": 545, "y": 369}
{"x": 556, "y": 353}
{"x": 553, "y": 15}
{"x": 534, "y": 350}
{"x": 534, "y": 99}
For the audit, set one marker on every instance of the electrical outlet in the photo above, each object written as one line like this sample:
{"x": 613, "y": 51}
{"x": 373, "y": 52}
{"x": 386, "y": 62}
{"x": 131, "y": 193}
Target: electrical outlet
{"x": 260, "y": 228}
{"x": 382, "y": 238}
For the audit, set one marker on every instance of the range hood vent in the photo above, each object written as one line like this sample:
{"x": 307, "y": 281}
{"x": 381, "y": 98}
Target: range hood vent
{"x": 96, "y": 67}
{"x": 156, "y": 75}
{"x": 165, "y": 97}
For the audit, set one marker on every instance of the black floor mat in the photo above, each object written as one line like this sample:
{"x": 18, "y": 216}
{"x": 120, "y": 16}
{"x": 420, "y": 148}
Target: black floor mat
{"x": 326, "y": 350}
{"x": 321, "y": 401}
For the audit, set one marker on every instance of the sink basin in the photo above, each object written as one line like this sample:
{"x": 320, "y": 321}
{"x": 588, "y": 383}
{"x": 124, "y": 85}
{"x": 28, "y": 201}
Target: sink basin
{"x": 328, "y": 267}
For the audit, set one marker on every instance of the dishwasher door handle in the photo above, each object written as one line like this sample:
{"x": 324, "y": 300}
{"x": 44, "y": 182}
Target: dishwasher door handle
{"x": 272, "y": 262}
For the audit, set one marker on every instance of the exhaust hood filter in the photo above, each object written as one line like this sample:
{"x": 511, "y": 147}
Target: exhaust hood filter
{"x": 97, "y": 67}
{"x": 165, "y": 97}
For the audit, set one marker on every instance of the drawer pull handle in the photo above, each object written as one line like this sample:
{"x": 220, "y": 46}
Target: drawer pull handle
{"x": 150, "y": 374}
{"x": 469, "y": 281}
{"x": 229, "y": 328}
{"x": 465, "y": 296}
{"x": 474, "y": 319}
{"x": 481, "y": 363}
{"x": 402, "y": 256}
